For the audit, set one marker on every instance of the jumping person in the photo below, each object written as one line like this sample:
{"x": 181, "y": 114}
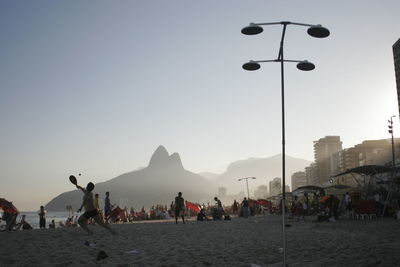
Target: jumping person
{"x": 179, "y": 207}
{"x": 90, "y": 210}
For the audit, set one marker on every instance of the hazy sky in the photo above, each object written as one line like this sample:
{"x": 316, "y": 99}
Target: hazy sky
{"x": 95, "y": 86}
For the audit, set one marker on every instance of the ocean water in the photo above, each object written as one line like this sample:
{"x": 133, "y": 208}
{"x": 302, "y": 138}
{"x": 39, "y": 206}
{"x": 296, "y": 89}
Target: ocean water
{"x": 32, "y": 217}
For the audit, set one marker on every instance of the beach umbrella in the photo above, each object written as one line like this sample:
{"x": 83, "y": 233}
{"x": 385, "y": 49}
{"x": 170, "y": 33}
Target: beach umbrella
{"x": 327, "y": 197}
{"x": 193, "y": 206}
{"x": 264, "y": 203}
{"x": 7, "y": 206}
{"x": 324, "y": 199}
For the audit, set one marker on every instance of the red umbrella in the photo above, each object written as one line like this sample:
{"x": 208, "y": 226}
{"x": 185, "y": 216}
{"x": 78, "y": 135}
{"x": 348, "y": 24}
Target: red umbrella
{"x": 193, "y": 206}
{"x": 7, "y": 206}
{"x": 264, "y": 202}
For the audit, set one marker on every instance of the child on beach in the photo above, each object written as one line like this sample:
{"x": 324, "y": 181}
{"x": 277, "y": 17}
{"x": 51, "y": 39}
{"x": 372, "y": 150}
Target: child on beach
{"x": 90, "y": 210}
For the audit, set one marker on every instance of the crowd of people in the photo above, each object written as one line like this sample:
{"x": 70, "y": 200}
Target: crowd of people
{"x": 325, "y": 207}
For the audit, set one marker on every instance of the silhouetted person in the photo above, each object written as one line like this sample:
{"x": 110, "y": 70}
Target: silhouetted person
{"x": 52, "y": 224}
{"x": 245, "y": 208}
{"x": 179, "y": 207}
{"x": 202, "y": 216}
{"x": 107, "y": 207}
{"x": 235, "y": 207}
{"x": 42, "y": 218}
{"x": 219, "y": 210}
{"x": 90, "y": 210}
{"x": 96, "y": 202}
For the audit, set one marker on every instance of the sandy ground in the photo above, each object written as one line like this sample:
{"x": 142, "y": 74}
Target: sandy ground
{"x": 240, "y": 242}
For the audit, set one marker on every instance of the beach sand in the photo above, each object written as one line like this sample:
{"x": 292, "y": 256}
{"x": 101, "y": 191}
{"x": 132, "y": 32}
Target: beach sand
{"x": 239, "y": 242}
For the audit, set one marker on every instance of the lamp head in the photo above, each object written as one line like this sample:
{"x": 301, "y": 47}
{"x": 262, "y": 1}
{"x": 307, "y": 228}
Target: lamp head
{"x": 305, "y": 66}
{"x": 252, "y": 29}
{"x": 318, "y": 31}
{"x": 251, "y": 65}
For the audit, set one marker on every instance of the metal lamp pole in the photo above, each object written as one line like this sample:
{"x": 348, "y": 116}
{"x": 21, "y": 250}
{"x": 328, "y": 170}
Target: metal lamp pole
{"x": 247, "y": 183}
{"x": 390, "y": 126}
{"x": 315, "y": 31}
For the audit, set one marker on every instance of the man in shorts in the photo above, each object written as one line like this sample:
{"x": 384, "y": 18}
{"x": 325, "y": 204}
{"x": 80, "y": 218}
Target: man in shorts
{"x": 90, "y": 210}
{"x": 179, "y": 207}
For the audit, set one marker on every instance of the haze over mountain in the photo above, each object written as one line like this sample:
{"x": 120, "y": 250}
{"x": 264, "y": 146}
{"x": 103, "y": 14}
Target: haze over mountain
{"x": 165, "y": 176}
{"x": 209, "y": 175}
{"x": 158, "y": 183}
{"x": 264, "y": 169}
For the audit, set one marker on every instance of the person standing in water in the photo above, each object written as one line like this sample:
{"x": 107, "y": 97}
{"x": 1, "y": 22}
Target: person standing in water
{"x": 179, "y": 207}
{"x": 90, "y": 210}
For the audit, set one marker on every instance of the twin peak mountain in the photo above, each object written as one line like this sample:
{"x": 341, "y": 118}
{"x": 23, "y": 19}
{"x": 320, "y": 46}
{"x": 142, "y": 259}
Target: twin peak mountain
{"x": 165, "y": 176}
{"x": 161, "y": 159}
{"x": 158, "y": 183}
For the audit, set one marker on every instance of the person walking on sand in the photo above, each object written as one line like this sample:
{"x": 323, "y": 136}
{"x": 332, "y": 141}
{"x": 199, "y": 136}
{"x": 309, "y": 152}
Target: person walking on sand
{"x": 179, "y": 207}
{"x": 42, "y": 218}
{"x": 245, "y": 208}
{"x": 90, "y": 210}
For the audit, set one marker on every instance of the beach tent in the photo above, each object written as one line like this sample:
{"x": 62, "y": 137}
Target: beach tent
{"x": 367, "y": 170}
{"x": 337, "y": 186}
{"x": 375, "y": 171}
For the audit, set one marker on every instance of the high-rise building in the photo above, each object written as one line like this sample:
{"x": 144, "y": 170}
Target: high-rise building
{"x": 275, "y": 187}
{"x": 261, "y": 191}
{"x": 370, "y": 152}
{"x": 287, "y": 188}
{"x": 396, "y": 57}
{"x": 222, "y": 191}
{"x": 324, "y": 148}
{"x": 298, "y": 179}
{"x": 311, "y": 174}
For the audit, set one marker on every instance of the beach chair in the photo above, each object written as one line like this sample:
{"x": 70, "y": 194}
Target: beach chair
{"x": 365, "y": 209}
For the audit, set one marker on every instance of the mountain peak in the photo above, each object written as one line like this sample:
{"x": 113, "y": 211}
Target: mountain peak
{"x": 175, "y": 160}
{"x": 161, "y": 159}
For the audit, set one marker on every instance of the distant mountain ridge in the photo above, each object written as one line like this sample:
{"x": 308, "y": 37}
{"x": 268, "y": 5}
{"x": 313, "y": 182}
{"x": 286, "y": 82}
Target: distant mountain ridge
{"x": 165, "y": 176}
{"x": 158, "y": 183}
{"x": 264, "y": 169}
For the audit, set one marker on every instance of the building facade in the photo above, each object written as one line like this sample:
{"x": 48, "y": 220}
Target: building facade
{"x": 299, "y": 179}
{"x": 324, "y": 148}
{"x": 396, "y": 57}
{"x": 311, "y": 174}
{"x": 275, "y": 187}
{"x": 261, "y": 191}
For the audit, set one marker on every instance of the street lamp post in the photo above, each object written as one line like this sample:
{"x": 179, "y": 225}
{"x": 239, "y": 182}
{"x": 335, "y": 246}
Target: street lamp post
{"x": 316, "y": 31}
{"x": 390, "y": 127}
{"x": 389, "y": 194}
{"x": 247, "y": 183}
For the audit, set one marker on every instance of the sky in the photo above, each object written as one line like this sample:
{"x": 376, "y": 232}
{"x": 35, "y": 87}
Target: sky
{"x": 94, "y": 87}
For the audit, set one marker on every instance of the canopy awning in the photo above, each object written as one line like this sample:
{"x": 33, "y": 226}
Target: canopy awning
{"x": 367, "y": 170}
{"x": 307, "y": 189}
{"x": 337, "y": 186}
